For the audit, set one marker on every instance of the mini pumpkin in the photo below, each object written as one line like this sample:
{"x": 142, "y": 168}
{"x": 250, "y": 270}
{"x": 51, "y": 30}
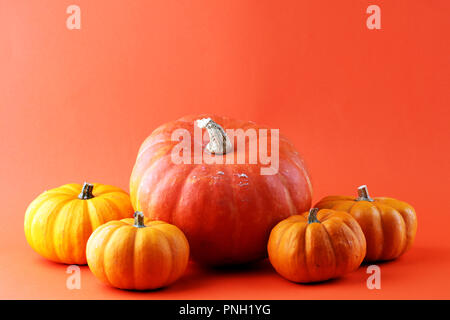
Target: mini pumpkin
{"x": 316, "y": 246}
{"x": 389, "y": 225}
{"x": 137, "y": 254}
{"x": 59, "y": 221}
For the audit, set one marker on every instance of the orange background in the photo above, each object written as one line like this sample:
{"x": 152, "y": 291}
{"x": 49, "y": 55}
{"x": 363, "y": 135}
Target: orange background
{"x": 362, "y": 106}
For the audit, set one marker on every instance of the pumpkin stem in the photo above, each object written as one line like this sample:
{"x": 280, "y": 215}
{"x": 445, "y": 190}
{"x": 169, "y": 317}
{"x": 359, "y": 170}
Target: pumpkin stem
{"x": 363, "y": 194}
{"x": 139, "y": 219}
{"x": 312, "y": 216}
{"x": 86, "y": 192}
{"x": 219, "y": 143}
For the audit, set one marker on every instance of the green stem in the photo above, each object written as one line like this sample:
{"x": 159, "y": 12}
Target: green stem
{"x": 86, "y": 192}
{"x": 312, "y": 216}
{"x": 139, "y": 219}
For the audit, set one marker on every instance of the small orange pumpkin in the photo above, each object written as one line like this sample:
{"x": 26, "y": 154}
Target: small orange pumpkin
{"x": 389, "y": 225}
{"x": 316, "y": 246}
{"x": 137, "y": 254}
{"x": 59, "y": 221}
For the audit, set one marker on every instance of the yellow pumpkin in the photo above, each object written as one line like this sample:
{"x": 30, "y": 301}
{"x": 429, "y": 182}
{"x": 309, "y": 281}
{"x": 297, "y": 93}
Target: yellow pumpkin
{"x": 137, "y": 254}
{"x": 59, "y": 221}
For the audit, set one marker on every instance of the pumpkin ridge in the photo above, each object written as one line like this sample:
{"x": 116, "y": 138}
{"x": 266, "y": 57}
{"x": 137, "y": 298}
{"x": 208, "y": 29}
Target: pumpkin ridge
{"x": 171, "y": 274}
{"x": 353, "y": 233}
{"x": 361, "y": 238}
{"x": 289, "y": 229}
{"x": 304, "y": 247}
{"x": 30, "y": 216}
{"x": 56, "y": 192}
{"x": 304, "y": 170}
{"x": 325, "y": 214}
{"x": 382, "y": 230}
{"x": 324, "y": 226}
{"x": 142, "y": 176}
{"x": 379, "y": 223}
{"x": 33, "y": 217}
{"x": 55, "y": 234}
{"x": 282, "y": 227}
{"x": 105, "y": 241}
{"x": 72, "y": 189}
{"x": 345, "y": 221}
{"x": 108, "y": 192}
{"x": 301, "y": 242}
{"x": 289, "y": 198}
{"x": 262, "y": 185}
{"x": 86, "y": 218}
{"x": 105, "y": 249}
{"x": 310, "y": 253}
{"x": 129, "y": 221}
{"x": 336, "y": 204}
{"x": 231, "y": 172}
{"x": 76, "y": 217}
{"x": 165, "y": 142}
{"x": 150, "y": 163}
{"x": 137, "y": 234}
{"x": 179, "y": 192}
{"x": 395, "y": 212}
{"x": 161, "y": 135}
{"x": 402, "y": 215}
{"x": 119, "y": 200}
{"x": 132, "y": 256}
{"x": 115, "y": 207}
{"x": 55, "y": 213}
{"x": 97, "y": 219}
{"x": 286, "y": 234}
{"x": 307, "y": 254}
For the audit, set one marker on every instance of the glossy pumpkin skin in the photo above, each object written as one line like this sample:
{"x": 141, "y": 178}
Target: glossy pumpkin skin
{"x": 389, "y": 225}
{"x": 127, "y": 257}
{"x": 225, "y": 210}
{"x": 311, "y": 252}
{"x": 58, "y": 224}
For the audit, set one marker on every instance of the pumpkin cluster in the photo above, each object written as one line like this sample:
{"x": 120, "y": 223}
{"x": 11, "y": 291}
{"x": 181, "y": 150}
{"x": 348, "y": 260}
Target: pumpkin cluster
{"x": 340, "y": 233}
{"x": 215, "y": 213}
{"x": 92, "y": 224}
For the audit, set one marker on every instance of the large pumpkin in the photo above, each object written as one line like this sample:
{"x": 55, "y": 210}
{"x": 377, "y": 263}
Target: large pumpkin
{"x": 316, "y": 246}
{"x": 389, "y": 225}
{"x": 137, "y": 254}
{"x": 225, "y": 210}
{"x": 58, "y": 222}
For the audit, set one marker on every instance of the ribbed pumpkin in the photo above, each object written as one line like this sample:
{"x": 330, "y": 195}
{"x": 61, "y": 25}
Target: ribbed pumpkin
{"x": 137, "y": 254}
{"x": 225, "y": 210}
{"x": 316, "y": 246}
{"x": 58, "y": 222}
{"x": 389, "y": 225}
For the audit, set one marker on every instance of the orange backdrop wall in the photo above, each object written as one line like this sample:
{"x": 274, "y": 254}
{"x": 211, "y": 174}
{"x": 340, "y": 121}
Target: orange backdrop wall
{"x": 362, "y": 106}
